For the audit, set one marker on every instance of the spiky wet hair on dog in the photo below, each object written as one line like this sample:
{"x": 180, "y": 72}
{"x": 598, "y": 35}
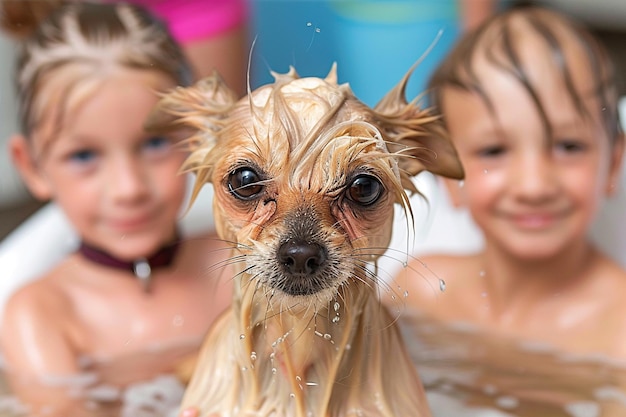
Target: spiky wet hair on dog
{"x": 309, "y": 114}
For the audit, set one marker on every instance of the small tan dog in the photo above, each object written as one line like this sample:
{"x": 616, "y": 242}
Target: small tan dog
{"x": 305, "y": 179}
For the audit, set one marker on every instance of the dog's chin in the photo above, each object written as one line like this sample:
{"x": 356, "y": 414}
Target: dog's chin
{"x": 301, "y": 290}
{"x": 307, "y": 298}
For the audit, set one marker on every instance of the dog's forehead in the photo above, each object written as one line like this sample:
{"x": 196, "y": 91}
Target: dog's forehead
{"x": 310, "y": 98}
{"x": 299, "y": 87}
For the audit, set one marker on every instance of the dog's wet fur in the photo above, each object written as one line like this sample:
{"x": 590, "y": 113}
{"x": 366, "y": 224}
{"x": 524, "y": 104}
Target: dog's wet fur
{"x": 305, "y": 179}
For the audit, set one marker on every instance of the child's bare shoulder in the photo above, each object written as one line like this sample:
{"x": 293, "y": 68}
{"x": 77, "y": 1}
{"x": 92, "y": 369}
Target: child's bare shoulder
{"x": 38, "y": 300}
{"x": 443, "y": 267}
{"x": 436, "y": 280}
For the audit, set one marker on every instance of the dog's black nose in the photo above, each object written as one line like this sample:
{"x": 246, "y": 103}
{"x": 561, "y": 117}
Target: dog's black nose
{"x": 300, "y": 257}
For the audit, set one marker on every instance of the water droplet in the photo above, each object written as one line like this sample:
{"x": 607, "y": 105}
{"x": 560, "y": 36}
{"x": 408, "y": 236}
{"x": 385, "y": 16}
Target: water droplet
{"x": 335, "y": 319}
{"x": 253, "y": 356}
{"x": 348, "y": 346}
{"x": 442, "y": 285}
{"x": 309, "y": 24}
{"x": 318, "y": 30}
{"x": 178, "y": 320}
{"x": 274, "y": 371}
{"x": 405, "y": 264}
{"x": 461, "y": 184}
{"x": 298, "y": 378}
{"x": 507, "y": 402}
{"x": 327, "y": 336}
{"x": 242, "y": 336}
{"x": 406, "y": 294}
{"x": 311, "y": 384}
{"x": 292, "y": 395}
{"x": 244, "y": 369}
{"x": 336, "y": 306}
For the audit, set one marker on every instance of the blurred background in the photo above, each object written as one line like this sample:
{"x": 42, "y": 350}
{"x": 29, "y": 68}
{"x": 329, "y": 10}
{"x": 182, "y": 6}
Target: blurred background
{"x": 374, "y": 44}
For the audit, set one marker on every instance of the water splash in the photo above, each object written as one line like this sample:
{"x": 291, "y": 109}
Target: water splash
{"x": 442, "y": 285}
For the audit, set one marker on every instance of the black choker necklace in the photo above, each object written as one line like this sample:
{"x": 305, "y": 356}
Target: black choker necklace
{"x": 142, "y": 268}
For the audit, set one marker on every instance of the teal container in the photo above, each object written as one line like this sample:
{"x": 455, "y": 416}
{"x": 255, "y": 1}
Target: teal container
{"x": 379, "y": 40}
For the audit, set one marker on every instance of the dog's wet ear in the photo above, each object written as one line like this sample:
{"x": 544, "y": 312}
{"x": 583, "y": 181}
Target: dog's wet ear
{"x": 418, "y": 134}
{"x": 198, "y": 108}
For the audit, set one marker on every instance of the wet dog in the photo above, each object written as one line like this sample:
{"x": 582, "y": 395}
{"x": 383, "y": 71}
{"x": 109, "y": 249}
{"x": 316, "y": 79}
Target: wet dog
{"x": 305, "y": 179}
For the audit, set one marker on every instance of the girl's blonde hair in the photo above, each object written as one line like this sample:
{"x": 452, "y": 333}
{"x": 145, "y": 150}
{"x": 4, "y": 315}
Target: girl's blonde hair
{"x": 498, "y": 41}
{"x": 70, "y": 47}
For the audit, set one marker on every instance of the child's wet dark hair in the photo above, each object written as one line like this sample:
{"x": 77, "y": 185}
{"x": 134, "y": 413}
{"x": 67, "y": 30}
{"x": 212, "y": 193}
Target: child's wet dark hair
{"x": 496, "y": 40}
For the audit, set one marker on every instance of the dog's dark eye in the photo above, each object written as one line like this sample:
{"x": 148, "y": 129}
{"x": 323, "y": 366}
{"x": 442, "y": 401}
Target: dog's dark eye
{"x": 244, "y": 183}
{"x": 365, "y": 190}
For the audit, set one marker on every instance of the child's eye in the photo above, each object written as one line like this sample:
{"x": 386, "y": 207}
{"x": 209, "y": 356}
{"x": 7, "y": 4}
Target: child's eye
{"x": 157, "y": 143}
{"x": 492, "y": 151}
{"x": 82, "y": 156}
{"x": 569, "y": 146}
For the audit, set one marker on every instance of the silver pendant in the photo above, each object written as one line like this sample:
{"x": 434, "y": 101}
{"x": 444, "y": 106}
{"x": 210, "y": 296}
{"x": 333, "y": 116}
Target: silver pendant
{"x": 142, "y": 270}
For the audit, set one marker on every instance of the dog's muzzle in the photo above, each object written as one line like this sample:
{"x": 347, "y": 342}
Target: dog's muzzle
{"x": 302, "y": 265}
{"x": 301, "y": 258}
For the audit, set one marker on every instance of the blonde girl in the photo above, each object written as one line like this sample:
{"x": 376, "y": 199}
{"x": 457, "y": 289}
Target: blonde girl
{"x": 134, "y": 300}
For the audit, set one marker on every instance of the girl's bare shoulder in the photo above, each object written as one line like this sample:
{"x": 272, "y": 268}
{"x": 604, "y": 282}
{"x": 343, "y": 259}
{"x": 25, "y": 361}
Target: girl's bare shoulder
{"x": 39, "y": 299}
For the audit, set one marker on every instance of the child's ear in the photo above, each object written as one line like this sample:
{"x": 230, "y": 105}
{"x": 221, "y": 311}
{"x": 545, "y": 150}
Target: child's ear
{"x": 455, "y": 192}
{"x": 23, "y": 160}
{"x": 617, "y": 159}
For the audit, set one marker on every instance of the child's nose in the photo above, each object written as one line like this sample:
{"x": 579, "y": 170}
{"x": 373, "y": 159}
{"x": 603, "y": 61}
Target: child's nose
{"x": 128, "y": 181}
{"x": 534, "y": 178}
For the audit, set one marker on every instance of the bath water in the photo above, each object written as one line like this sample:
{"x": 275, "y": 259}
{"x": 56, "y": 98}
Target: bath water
{"x": 468, "y": 373}
{"x": 151, "y": 387}
{"x": 465, "y": 373}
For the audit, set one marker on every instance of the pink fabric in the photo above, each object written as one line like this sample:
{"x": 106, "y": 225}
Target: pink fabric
{"x": 190, "y": 20}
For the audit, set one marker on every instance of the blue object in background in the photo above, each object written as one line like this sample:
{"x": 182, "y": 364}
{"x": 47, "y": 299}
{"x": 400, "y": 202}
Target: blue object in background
{"x": 291, "y": 32}
{"x": 374, "y": 42}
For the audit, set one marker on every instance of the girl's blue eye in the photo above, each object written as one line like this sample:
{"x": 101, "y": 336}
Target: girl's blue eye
{"x": 157, "y": 143}
{"x": 82, "y": 156}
